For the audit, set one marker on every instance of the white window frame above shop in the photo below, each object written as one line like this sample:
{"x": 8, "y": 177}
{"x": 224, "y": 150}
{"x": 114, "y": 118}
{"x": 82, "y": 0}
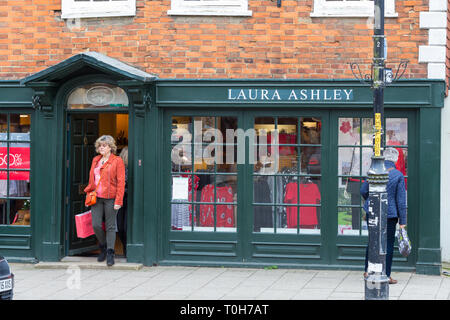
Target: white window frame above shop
{"x": 210, "y": 8}
{"x": 95, "y": 9}
{"x": 350, "y": 8}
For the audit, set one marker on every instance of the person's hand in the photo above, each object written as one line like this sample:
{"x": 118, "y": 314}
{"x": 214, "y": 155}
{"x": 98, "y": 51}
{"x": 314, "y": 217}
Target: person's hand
{"x": 402, "y": 226}
{"x": 117, "y": 207}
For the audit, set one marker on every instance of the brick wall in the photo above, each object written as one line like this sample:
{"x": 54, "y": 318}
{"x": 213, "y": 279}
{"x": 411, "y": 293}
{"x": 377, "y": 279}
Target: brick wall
{"x": 273, "y": 43}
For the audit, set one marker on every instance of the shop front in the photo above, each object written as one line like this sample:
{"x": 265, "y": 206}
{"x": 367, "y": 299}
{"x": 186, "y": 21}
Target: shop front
{"x": 267, "y": 173}
{"x": 221, "y": 172}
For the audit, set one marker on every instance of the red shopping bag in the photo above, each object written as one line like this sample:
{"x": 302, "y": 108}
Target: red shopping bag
{"x": 83, "y": 223}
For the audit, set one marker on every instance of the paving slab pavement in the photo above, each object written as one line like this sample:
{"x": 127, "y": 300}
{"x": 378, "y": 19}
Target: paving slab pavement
{"x": 89, "y": 280}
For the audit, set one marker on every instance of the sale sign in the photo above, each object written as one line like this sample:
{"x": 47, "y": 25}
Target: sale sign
{"x": 18, "y": 158}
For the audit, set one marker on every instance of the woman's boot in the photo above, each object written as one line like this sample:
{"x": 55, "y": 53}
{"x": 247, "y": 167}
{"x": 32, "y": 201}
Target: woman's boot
{"x": 102, "y": 255}
{"x": 109, "y": 257}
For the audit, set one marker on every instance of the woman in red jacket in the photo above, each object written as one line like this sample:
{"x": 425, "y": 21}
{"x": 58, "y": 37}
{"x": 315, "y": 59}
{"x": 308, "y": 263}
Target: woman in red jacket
{"x": 107, "y": 176}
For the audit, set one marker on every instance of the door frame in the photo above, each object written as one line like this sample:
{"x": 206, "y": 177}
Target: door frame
{"x": 68, "y": 177}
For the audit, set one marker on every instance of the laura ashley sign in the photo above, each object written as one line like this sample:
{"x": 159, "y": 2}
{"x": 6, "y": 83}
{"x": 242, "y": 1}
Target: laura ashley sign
{"x": 290, "y": 94}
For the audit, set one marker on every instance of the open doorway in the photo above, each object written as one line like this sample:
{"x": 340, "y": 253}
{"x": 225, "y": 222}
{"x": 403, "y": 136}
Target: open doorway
{"x": 83, "y": 131}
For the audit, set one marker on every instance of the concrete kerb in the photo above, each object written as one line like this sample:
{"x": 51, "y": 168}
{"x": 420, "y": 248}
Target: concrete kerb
{"x": 88, "y": 263}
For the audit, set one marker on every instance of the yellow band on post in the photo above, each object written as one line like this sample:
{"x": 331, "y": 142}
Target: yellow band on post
{"x": 377, "y": 145}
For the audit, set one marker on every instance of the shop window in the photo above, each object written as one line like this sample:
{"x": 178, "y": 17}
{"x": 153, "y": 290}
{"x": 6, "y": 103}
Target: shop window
{"x": 15, "y": 169}
{"x": 97, "y": 8}
{"x": 355, "y": 148}
{"x": 97, "y": 96}
{"x": 210, "y": 7}
{"x": 204, "y": 180}
{"x": 287, "y": 182}
{"x": 350, "y": 8}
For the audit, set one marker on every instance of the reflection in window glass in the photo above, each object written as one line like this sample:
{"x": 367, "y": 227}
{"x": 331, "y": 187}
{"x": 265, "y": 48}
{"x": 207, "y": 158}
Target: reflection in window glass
{"x": 15, "y": 169}
{"x": 354, "y": 162}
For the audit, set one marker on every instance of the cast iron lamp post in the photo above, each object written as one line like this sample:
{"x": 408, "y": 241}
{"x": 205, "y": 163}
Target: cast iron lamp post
{"x": 377, "y": 283}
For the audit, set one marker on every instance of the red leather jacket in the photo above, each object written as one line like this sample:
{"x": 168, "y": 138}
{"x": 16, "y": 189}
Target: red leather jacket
{"x": 113, "y": 179}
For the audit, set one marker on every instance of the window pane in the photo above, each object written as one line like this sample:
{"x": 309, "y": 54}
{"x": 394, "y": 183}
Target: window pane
{"x": 263, "y": 218}
{"x": 20, "y": 210}
{"x": 349, "y": 129}
{"x": 310, "y": 191}
{"x": 287, "y": 134}
{"x": 366, "y": 160}
{"x": 367, "y": 131}
{"x": 311, "y": 130}
{"x": 181, "y": 138}
{"x": 396, "y": 131}
{"x": 311, "y": 160}
{"x": 348, "y": 162}
{"x": 350, "y": 221}
{"x": 3, "y": 125}
{"x": 20, "y": 127}
{"x": 17, "y": 187}
{"x": 181, "y": 215}
{"x": 348, "y": 191}
{"x": 98, "y": 95}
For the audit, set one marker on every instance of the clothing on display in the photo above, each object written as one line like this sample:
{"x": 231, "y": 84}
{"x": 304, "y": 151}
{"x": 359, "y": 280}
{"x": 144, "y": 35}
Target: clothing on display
{"x": 263, "y": 215}
{"x": 224, "y": 214}
{"x": 181, "y": 213}
{"x": 309, "y": 194}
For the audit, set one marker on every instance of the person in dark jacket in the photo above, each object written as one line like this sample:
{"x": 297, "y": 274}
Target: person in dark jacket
{"x": 396, "y": 193}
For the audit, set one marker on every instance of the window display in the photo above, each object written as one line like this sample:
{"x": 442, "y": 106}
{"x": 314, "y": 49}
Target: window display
{"x": 286, "y": 183}
{"x": 206, "y": 200}
{"x": 15, "y": 169}
{"x": 354, "y": 160}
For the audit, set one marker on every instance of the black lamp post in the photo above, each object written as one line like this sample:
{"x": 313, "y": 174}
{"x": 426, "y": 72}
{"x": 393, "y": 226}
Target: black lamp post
{"x": 377, "y": 283}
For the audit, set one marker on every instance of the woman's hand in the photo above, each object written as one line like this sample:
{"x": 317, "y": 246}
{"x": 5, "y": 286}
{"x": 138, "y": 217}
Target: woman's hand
{"x": 117, "y": 207}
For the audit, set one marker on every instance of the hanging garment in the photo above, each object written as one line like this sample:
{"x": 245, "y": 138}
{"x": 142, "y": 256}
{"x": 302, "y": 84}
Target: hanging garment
{"x": 182, "y": 212}
{"x": 309, "y": 194}
{"x": 224, "y": 214}
{"x": 263, "y": 215}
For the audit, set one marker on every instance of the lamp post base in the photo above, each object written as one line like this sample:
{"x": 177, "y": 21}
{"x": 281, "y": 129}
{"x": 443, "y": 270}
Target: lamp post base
{"x": 376, "y": 287}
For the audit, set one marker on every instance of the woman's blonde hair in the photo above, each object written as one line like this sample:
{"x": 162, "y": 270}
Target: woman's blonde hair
{"x": 124, "y": 156}
{"x": 106, "y": 139}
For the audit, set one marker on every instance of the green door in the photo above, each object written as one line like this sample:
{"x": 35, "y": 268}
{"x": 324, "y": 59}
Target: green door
{"x": 83, "y": 131}
{"x": 351, "y": 150}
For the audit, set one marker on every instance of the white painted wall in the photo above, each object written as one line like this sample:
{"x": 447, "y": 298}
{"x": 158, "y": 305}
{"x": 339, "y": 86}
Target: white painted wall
{"x": 434, "y": 54}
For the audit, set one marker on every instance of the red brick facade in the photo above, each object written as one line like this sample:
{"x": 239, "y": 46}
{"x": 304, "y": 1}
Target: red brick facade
{"x": 273, "y": 43}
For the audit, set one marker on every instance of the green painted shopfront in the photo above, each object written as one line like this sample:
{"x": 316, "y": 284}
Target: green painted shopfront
{"x": 243, "y": 173}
